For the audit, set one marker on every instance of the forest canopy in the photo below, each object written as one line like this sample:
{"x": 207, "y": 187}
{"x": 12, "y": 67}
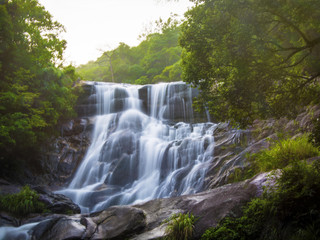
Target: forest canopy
{"x": 35, "y": 92}
{"x": 252, "y": 58}
{"x": 155, "y": 59}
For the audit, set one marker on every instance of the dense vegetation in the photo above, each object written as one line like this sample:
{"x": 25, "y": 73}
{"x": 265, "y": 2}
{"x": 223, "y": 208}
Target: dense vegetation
{"x": 156, "y": 59}
{"x": 35, "y": 94}
{"x": 253, "y": 58}
{"x": 291, "y": 210}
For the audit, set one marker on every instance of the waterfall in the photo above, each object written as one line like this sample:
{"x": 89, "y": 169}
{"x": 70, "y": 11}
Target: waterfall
{"x": 145, "y": 145}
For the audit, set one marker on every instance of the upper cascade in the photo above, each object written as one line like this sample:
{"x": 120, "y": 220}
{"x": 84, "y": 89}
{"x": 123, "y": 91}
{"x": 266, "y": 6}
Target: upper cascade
{"x": 145, "y": 145}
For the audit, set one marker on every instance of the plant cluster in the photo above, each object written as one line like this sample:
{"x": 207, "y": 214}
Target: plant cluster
{"x": 22, "y": 203}
{"x": 180, "y": 226}
{"x": 284, "y": 152}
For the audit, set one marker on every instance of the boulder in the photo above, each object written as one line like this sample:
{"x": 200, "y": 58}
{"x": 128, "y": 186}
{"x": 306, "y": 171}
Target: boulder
{"x": 118, "y": 222}
{"x": 56, "y": 203}
{"x": 114, "y": 223}
{"x": 209, "y": 207}
{"x": 60, "y": 228}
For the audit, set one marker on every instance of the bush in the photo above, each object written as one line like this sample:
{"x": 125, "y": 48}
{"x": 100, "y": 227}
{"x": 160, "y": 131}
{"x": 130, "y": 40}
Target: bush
{"x": 22, "y": 203}
{"x": 180, "y": 226}
{"x": 285, "y": 152}
{"x": 298, "y": 193}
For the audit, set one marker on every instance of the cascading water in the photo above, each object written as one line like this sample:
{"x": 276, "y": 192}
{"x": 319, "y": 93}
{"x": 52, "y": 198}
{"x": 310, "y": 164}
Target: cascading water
{"x": 144, "y": 146}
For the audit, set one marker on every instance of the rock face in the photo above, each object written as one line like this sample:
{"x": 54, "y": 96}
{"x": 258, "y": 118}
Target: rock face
{"x": 178, "y": 101}
{"x": 86, "y": 103}
{"x": 62, "y": 155}
{"x": 60, "y": 158}
{"x": 233, "y": 145}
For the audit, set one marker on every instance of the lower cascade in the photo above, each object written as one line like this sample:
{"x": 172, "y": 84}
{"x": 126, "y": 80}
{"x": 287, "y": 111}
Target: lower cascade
{"x": 145, "y": 145}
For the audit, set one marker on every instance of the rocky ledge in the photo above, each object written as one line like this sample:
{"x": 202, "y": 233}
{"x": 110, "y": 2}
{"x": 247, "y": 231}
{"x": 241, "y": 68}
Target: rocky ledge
{"x": 141, "y": 221}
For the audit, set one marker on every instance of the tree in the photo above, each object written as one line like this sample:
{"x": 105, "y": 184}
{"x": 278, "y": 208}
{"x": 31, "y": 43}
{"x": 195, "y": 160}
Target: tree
{"x": 34, "y": 93}
{"x": 252, "y": 58}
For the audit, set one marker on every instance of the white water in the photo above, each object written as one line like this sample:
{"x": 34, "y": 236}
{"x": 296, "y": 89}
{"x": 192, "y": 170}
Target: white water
{"x": 14, "y": 233}
{"x": 136, "y": 155}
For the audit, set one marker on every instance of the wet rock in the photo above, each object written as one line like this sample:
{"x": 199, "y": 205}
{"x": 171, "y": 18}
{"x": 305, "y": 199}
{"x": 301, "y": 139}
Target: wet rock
{"x": 86, "y": 104}
{"x": 56, "y": 203}
{"x": 123, "y": 165}
{"x": 120, "y": 93}
{"x": 61, "y": 157}
{"x": 118, "y": 222}
{"x": 8, "y": 220}
{"x": 60, "y": 228}
{"x": 143, "y": 95}
{"x": 43, "y": 228}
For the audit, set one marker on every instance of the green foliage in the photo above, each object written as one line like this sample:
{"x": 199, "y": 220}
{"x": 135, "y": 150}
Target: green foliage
{"x": 180, "y": 226}
{"x": 34, "y": 93}
{"x": 240, "y": 174}
{"x": 280, "y": 154}
{"x": 290, "y": 211}
{"x": 156, "y": 59}
{"x": 285, "y": 152}
{"x": 252, "y": 58}
{"x": 22, "y": 203}
{"x": 315, "y": 134}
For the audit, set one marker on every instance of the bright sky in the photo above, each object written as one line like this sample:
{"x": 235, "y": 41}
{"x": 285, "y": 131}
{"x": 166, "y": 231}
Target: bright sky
{"x": 103, "y": 24}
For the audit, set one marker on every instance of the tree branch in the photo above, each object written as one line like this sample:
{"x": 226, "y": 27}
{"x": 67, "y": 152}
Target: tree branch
{"x": 288, "y": 22}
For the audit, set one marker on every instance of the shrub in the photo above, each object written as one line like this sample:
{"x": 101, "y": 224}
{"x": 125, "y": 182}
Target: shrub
{"x": 180, "y": 226}
{"x": 298, "y": 193}
{"x": 285, "y": 152}
{"x": 22, "y": 203}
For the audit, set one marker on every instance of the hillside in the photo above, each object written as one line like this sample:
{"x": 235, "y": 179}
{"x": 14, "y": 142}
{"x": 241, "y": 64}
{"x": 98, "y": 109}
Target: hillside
{"x": 156, "y": 59}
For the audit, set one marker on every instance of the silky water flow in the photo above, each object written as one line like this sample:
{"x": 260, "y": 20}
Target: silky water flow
{"x": 145, "y": 145}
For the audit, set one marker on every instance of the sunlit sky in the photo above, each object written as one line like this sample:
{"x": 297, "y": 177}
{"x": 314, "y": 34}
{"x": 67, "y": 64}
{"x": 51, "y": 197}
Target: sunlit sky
{"x": 102, "y": 24}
